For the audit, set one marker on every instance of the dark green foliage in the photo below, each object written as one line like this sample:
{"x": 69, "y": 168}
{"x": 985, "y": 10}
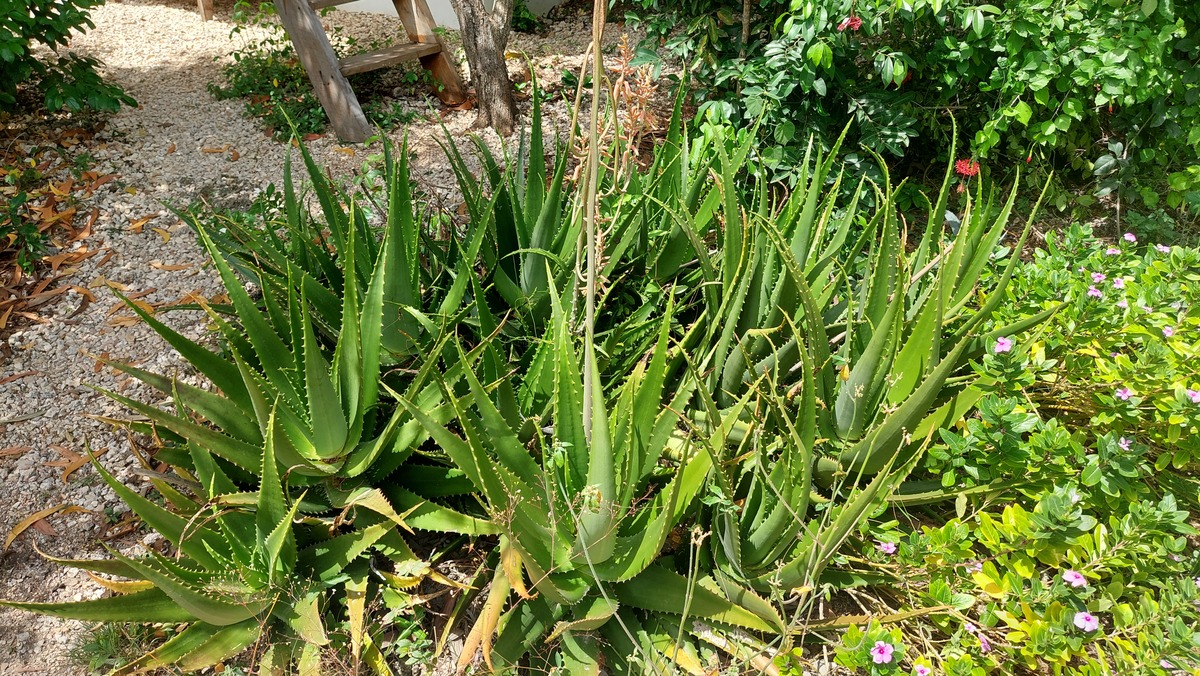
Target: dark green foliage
{"x": 1053, "y": 84}
{"x": 66, "y": 82}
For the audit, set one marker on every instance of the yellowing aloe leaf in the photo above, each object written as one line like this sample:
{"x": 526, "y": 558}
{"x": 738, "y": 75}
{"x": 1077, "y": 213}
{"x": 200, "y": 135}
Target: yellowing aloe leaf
{"x": 121, "y": 586}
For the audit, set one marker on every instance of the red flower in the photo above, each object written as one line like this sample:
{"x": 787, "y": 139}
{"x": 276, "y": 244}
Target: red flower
{"x": 852, "y": 22}
{"x": 966, "y": 168}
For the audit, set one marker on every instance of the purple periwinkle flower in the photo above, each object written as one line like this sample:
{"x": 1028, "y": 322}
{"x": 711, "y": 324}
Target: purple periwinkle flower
{"x": 1094, "y": 292}
{"x": 1074, "y": 578}
{"x": 1162, "y": 248}
{"x": 970, "y": 627}
{"x": 1124, "y": 443}
{"x": 1112, "y": 251}
{"x": 1130, "y": 237}
{"x": 1168, "y": 331}
{"x": 1003, "y": 344}
{"x": 985, "y": 646}
{"x": 1087, "y": 621}
{"x": 882, "y": 652}
{"x": 1119, "y": 283}
{"x": 1124, "y": 393}
{"x": 886, "y": 547}
{"x": 922, "y": 670}
{"x": 1122, "y": 303}
{"x": 1194, "y": 395}
{"x": 1098, "y": 277}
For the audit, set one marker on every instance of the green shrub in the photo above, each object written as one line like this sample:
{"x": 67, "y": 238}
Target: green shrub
{"x": 1031, "y": 81}
{"x": 69, "y": 81}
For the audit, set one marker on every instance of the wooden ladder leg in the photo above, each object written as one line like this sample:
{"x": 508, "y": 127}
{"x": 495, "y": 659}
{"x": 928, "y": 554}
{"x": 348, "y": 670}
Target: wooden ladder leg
{"x": 316, "y": 54}
{"x": 418, "y": 23}
{"x": 206, "y": 9}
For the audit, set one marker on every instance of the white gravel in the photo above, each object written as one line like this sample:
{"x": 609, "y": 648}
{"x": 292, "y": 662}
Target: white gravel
{"x": 165, "y": 57}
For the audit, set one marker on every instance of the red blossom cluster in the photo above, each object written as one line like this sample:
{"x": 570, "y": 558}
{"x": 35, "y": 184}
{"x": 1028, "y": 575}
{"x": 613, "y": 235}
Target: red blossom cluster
{"x": 851, "y": 22}
{"x": 966, "y": 168}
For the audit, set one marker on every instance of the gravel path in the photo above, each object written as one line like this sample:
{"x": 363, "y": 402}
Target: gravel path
{"x": 165, "y": 57}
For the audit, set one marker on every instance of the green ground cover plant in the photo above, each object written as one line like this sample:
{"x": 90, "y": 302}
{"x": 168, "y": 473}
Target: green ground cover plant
{"x": 1070, "y": 544}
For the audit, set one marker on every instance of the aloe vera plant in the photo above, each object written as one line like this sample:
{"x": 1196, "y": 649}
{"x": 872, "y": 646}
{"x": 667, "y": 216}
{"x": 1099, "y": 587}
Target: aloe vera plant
{"x": 275, "y": 507}
{"x": 582, "y": 521}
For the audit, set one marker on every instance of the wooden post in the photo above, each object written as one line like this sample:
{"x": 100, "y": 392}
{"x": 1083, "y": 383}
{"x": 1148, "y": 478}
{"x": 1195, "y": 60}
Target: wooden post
{"x": 418, "y": 23}
{"x": 206, "y": 9}
{"x": 333, "y": 90}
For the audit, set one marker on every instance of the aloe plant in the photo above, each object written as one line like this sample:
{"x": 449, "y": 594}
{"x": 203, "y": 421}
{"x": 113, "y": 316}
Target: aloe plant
{"x": 579, "y": 536}
{"x": 276, "y": 507}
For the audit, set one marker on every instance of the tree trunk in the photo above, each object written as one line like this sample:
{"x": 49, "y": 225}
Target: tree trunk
{"x": 485, "y": 39}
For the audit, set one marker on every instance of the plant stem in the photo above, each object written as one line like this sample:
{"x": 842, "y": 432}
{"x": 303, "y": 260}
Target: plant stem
{"x": 593, "y": 179}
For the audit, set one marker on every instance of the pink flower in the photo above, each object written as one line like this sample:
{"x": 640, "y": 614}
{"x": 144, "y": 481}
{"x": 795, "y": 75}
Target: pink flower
{"x": 1119, "y": 283}
{"x": 886, "y": 547}
{"x": 1112, "y": 251}
{"x": 1122, "y": 303}
{"x": 882, "y": 652}
{"x": 1125, "y": 444}
{"x": 1130, "y": 237}
{"x": 1094, "y": 292}
{"x": 851, "y": 22}
{"x": 1168, "y": 331}
{"x": 1124, "y": 394}
{"x": 1098, "y": 277}
{"x": 975, "y": 567}
{"x": 1074, "y": 578}
{"x": 966, "y": 167}
{"x": 1003, "y": 344}
{"x": 922, "y": 670}
{"x": 985, "y": 646}
{"x": 1087, "y": 621}
{"x": 1162, "y": 249}
{"x": 970, "y": 627}
{"x": 1194, "y": 395}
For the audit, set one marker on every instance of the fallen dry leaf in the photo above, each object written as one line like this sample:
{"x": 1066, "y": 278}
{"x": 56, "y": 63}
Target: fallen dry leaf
{"x": 18, "y": 376}
{"x": 159, "y": 265}
{"x": 14, "y": 451}
{"x": 131, "y": 190}
{"x": 345, "y": 151}
{"x": 34, "y": 518}
{"x": 136, "y": 226}
{"x": 170, "y": 148}
{"x": 311, "y": 137}
{"x": 214, "y": 151}
{"x": 166, "y": 236}
{"x": 234, "y": 155}
{"x": 71, "y": 461}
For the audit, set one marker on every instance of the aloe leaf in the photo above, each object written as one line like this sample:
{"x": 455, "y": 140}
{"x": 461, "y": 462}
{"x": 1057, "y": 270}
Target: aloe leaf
{"x": 199, "y": 646}
{"x": 661, "y": 590}
{"x": 304, "y": 617}
{"x": 217, "y": 369}
{"x": 327, "y": 559}
{"x": 427, "y": 515}
{"x": 329, "y": 429}
{"x": 220, "y": 410}
{"x": 200, "y": 603}
{"x": 195, "y": 541}
{"x": 271, "y": 351}
{"x": 151, "y": 605}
